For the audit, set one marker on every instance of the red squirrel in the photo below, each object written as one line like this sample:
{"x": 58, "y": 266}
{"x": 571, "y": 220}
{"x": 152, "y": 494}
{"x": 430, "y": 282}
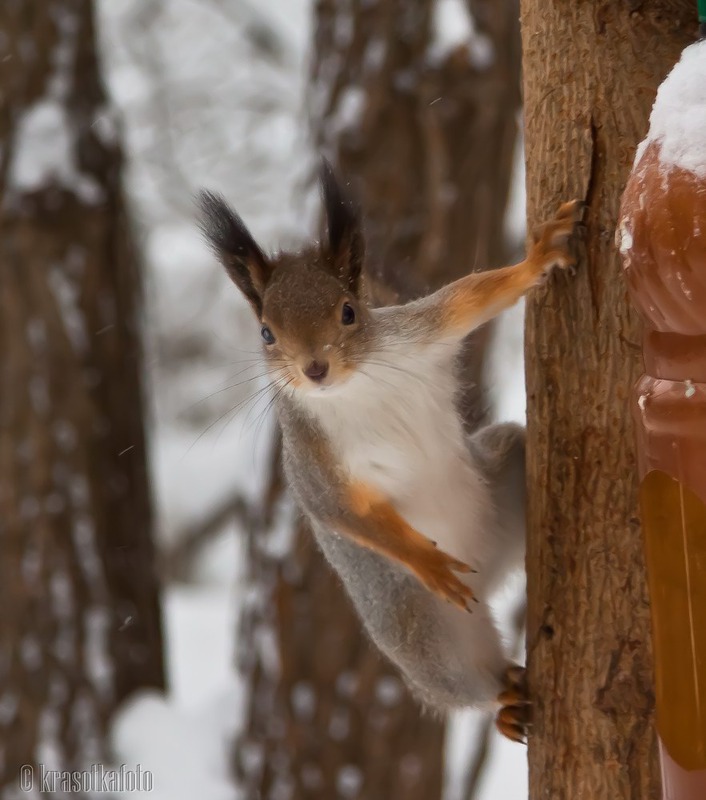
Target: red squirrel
{"x": 417, "y": 517}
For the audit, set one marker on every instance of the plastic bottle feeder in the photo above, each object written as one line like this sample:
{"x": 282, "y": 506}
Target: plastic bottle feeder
{"x": 662, "y": 239}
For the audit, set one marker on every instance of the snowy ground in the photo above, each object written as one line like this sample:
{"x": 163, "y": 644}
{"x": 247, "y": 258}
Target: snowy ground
{"x": 211, "y": 94}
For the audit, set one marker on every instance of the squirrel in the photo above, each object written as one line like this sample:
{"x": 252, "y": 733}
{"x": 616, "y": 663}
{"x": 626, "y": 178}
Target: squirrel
{"x": 417, "y": 517}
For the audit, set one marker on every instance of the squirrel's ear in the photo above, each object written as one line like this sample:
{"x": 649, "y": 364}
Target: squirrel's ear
{"x": 345, "y": 235}
{"x": 246, "y": 264}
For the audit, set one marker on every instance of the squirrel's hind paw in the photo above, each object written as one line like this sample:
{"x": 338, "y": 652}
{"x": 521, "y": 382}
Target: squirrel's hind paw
{"x": 514, "y": 718}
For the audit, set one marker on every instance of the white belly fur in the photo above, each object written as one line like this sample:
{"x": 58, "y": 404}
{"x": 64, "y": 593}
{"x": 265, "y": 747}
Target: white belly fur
{"x": 400, "y": 433}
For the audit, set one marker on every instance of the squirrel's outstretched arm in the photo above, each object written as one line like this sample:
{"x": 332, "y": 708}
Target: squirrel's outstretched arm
{"x": 360, "y": 512}
{"x": 371, "y": 520}
{"x": 467, "y": 303}
{"x": 460, "y": 307}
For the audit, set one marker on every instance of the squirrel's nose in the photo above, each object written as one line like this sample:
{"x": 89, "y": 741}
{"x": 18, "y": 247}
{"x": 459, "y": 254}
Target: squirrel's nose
{"x": 316, "y": 370}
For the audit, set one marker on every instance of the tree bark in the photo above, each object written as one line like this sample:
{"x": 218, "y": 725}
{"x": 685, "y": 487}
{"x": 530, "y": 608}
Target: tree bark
{"x": 590, "y": 76}
{"x": 80, "y": 626}
{"x": 427, "y": 136}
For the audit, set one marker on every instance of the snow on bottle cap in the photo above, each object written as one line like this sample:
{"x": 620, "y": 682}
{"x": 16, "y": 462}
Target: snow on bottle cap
{"x": 678, "y": 118}
{"x": 661, "y": 231}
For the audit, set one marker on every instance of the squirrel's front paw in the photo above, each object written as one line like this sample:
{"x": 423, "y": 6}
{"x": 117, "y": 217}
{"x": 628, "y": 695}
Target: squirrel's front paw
{"x": 435, "y": 569}
{"x": 552, "y": 241}
{"x": 513, "y": 719}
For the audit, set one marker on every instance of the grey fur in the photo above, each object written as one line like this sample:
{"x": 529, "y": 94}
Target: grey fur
{"x": 408, "y": 624}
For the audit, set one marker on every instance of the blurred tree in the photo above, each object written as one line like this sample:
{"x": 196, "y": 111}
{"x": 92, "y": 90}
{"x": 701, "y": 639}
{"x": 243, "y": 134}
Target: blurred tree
{"x": 427, "y": 128}
{"x": 80, "y": 626}
{"x": 588, "y": 629}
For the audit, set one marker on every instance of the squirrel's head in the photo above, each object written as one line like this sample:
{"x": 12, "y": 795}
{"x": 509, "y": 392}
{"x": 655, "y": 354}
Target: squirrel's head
{"x": 314, "y": 322}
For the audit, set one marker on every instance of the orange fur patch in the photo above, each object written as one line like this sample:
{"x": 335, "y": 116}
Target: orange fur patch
{"x": 380, "y": 528}
{"x": 477, "y": 298}
{"x": 362, "y": 498}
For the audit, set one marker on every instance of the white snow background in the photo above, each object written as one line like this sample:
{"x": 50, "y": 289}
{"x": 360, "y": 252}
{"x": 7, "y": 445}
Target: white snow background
{"x": 211, "y": 94}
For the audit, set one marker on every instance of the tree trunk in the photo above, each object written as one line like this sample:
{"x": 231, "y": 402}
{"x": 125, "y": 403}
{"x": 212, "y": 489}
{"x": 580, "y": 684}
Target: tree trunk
{"x": 590, "y": 73}
{"x": 427, "y": 134}
{"x": 79, "y": 628}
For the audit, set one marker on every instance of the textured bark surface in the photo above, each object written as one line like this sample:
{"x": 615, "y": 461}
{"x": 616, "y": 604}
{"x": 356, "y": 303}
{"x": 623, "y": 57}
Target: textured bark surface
{"x": 427, "y": 138}
{"x": 591, "y": 71}
{"x": 79, "y": 628}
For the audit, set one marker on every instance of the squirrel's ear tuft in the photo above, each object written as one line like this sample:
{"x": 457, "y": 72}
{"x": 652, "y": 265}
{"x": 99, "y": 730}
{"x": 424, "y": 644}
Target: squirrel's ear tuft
{"x": 245, "y": 263}
{"x": 345, "y": 235}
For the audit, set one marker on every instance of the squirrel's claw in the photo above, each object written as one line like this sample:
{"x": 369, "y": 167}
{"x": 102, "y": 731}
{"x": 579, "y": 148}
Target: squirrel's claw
{"x": 551, "y": 240}
{"x": 459, "y": 566}
{"x": 573, "y": 210}
{"x": 514, "y": 718}
{"x": 436, "y": 572}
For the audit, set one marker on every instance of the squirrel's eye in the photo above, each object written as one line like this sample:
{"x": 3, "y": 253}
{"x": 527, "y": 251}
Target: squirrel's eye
{"x": 347, "y": 314}
{"x": 267, "y": 335}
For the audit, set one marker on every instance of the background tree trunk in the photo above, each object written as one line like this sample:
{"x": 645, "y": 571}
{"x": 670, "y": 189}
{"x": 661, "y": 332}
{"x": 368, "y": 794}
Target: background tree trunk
{"x": 590, "y": 75}
{"x": 427, "y": 134}
{"x": 80, "y": 627}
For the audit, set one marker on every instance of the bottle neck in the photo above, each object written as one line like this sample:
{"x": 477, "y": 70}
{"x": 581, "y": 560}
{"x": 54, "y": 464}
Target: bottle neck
{"x": 674, "y": 356}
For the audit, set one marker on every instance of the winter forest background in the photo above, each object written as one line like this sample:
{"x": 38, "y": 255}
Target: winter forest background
{"x": 230, "y": 95}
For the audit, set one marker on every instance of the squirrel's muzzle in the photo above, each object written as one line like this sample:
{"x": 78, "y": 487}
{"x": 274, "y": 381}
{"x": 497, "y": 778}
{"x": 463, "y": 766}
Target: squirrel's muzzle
{"x": 316, "y": 370}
